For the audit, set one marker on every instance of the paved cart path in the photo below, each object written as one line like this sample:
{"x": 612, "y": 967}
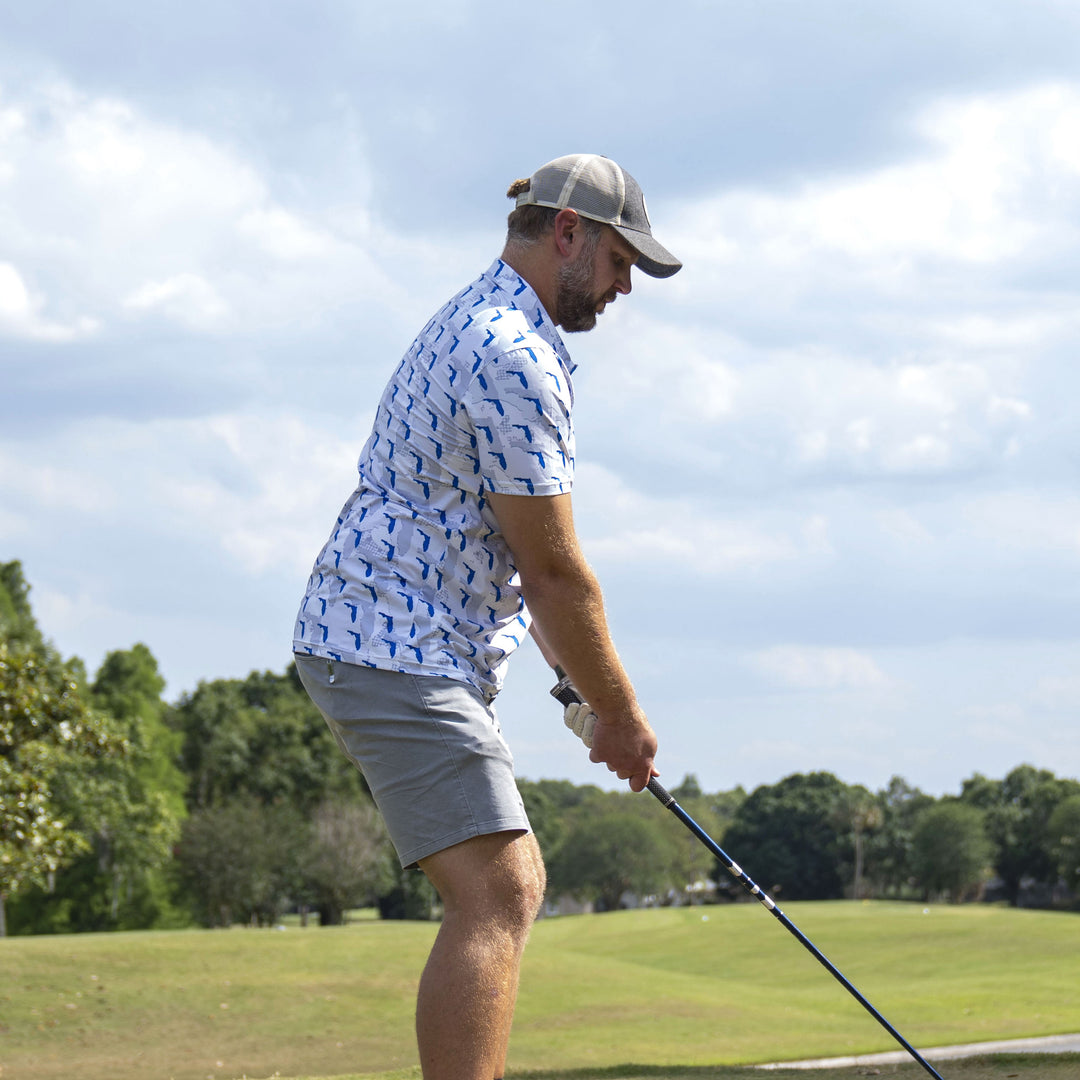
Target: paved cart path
{"x": 1050, "y": 1044}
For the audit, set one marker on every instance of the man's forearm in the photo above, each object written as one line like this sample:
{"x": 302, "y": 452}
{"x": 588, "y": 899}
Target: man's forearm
{"x": 568, "y": 609}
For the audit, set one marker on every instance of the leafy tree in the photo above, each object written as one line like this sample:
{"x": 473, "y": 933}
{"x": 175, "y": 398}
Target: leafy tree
{"x": 261, "y": 740}
{"x": 857, "y": 815}
{"x": 562, "y": 795}
{"x": 346, "y": 861}
{"x": 131, "y": 815}
{"x": 692, "y": 864}
{"x": 1063, "y": 830}
{"x": 121, "y": 816}
{"x": 608, "y": 854}
{"x": 1018, "y": 811}
{"x": 544, "y": 815}
{"x": 247, "y": 861}
{"x": 786, "y": 837}
{"x": 888, "y": 847}
{"x": 45, "y": 728}
{"x": 688, "y": 789}
{"x": 260, "y": 736}
{"x": 129, "y": 686}
{"x": 411, "y": 897}
{"x": 240, "y": 861}
{"x": 552, "y": 805}
{"x": 950, "y": 849}
{"x": 51, "y": 745}
{"x": 17, "y": 623}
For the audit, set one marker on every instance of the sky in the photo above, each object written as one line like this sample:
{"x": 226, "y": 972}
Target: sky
{"x": 827, "y": 474}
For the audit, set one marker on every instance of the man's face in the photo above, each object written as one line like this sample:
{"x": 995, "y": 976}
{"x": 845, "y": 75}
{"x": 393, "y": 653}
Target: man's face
{"x": 599, "y": 272}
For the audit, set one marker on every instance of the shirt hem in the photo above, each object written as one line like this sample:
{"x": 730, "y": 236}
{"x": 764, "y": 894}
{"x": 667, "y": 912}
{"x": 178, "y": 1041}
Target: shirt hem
{"x": 385, "y": 663}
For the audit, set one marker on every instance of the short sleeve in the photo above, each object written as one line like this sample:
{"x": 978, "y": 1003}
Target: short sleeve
{"x": 519, "y": 405}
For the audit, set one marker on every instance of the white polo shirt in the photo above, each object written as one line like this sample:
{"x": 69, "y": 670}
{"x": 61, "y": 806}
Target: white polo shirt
{"x": 416, "y": 576}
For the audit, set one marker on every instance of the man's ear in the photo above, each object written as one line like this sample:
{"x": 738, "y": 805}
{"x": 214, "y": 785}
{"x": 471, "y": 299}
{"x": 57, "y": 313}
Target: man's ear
{"x": 566, "y": 231}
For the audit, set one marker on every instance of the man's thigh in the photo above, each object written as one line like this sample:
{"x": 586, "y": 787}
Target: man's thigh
{"x": 430, "y": 749}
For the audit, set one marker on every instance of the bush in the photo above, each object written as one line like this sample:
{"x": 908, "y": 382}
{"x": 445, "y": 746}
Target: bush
{"x": 951, "y": 853}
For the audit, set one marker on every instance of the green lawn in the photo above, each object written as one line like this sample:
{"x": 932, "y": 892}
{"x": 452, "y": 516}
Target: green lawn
{"x": 991, "y": 1067}
{"x": 683, "y": 989}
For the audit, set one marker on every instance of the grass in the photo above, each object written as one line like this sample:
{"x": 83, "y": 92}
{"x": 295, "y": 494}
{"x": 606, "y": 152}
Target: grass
{"x": 993, "y": 1067}
{"x": 680, "y": 993}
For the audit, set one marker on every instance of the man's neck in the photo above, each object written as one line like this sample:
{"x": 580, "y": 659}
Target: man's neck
{"x": 533, "y": 264}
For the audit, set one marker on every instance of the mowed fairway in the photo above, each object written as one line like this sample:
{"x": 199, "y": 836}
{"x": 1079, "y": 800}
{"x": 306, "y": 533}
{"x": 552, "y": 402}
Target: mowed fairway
{"x": 683, "y": 987}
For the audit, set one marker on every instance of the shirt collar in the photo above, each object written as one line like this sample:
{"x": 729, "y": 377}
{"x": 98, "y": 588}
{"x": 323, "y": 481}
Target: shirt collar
{"x": 520, "y": 295}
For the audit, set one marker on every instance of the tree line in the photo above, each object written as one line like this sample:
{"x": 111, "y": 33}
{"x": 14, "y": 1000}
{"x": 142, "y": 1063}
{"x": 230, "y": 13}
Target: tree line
{"x": 233, "y": 804}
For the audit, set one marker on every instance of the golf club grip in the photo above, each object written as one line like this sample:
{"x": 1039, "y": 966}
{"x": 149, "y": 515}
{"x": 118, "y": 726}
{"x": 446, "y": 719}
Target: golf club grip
{"x": 566, "y": 693}
{"x": 564, "y": 690}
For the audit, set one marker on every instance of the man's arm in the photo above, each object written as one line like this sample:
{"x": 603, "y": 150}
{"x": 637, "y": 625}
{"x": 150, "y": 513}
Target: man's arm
{"x": 564, "y": 598}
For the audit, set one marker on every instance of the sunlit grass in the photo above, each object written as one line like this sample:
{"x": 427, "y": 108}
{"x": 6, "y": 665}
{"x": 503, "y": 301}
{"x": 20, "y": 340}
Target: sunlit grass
{"x": 677, "y": 989}
{"x": 991, "y": 1067}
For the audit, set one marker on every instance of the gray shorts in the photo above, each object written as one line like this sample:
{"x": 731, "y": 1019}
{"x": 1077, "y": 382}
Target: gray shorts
{"x": 430, "y": 749}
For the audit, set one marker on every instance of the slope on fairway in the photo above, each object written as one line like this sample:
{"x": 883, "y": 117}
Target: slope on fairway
{"x": 991, "y": 1067}
{"x": 670, "y": 987}
{"x": 714, "y": 985}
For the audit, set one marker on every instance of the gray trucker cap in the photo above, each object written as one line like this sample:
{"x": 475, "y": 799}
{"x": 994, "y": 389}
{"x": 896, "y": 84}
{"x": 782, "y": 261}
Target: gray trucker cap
{"x": 597, "y": 188}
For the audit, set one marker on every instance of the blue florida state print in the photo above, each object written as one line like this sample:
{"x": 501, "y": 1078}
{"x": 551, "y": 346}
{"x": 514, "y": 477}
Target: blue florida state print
{"x": 416, "y": 576}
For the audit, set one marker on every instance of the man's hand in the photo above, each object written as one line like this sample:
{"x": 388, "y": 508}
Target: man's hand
{"x": 627, "y": 747}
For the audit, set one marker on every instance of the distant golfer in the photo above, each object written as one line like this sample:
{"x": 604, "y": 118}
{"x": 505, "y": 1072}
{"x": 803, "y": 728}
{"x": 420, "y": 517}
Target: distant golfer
{"x": 458, "y": 540}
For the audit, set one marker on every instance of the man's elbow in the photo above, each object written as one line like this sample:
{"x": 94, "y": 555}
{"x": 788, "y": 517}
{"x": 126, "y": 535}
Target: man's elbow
{"x": 558, "y": 580}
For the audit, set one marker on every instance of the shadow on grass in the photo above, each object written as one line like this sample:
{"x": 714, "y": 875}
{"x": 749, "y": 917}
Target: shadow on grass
{"x": 984, "y": 1067}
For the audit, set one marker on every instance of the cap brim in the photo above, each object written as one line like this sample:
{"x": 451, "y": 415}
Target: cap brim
{"x": 654, "y": 259}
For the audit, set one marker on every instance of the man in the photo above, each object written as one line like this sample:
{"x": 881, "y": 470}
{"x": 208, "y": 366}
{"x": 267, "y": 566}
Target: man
{"x": 458, "y": 536}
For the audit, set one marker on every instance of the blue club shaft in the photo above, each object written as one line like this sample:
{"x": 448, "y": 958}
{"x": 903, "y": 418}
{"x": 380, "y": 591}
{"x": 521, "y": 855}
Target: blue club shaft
{"x": 665, "y": 797}
{"x": 567, "y": 695}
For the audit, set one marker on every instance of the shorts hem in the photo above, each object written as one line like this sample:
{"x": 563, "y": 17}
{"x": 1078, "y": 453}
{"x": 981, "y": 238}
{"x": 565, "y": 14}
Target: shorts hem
{"x": 410, "y": 858}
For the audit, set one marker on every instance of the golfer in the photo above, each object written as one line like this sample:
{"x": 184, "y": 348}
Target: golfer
{"x": 459, "y": 540}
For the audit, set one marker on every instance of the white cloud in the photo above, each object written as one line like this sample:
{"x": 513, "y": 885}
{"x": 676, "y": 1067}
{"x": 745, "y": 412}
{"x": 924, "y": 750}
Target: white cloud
{"x": 1029, "y": 521}
{"x": 991, "y": 331}
{"x": 681, "y": 371}
{"x": 14, "y": 297}
{"x": 53, "y": 479}
{"x": 901, "y": 418}
{"x": 1058, "y": 693}
{"x": 808, "y": 411}
{"x": 890, "y": 322}
{"x": 21, "y": 313}
{"x": 261, "y": 490}
{"x": 125, "y": 215}
{"x": 77, "y": 612}
{"x": 814, "y": 668}
{"x": 840, "y": 406}
{"x": 904, "y": 525}
{"x": 288, "y": 480}
{"x": 285, "y": 236}
{"x": 186, "y": 298}
{"x": 623, "y": 525}
{"x": 999, "y": 175}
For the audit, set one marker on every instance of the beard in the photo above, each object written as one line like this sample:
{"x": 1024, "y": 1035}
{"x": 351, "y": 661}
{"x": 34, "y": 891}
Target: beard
{"x": 575, "y": 297}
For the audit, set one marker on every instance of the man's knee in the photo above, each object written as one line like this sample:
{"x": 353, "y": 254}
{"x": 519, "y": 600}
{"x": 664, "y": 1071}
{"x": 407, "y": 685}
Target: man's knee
{"x": 532, "y": 881}
{"x": 498, "y": 876}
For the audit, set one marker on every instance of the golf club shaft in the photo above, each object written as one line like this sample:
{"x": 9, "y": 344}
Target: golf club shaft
{"x": 566, "y": 694}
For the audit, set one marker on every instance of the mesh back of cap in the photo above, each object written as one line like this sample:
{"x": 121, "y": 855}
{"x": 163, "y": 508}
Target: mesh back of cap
{"x": 590, "y": 184}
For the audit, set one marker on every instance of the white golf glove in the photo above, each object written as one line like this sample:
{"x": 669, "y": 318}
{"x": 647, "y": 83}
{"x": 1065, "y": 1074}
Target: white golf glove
{"x": 581, "y": 720}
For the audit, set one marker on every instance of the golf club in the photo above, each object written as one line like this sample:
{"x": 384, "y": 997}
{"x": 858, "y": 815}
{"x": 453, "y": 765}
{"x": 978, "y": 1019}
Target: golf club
{"x": 566, "y": 693}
